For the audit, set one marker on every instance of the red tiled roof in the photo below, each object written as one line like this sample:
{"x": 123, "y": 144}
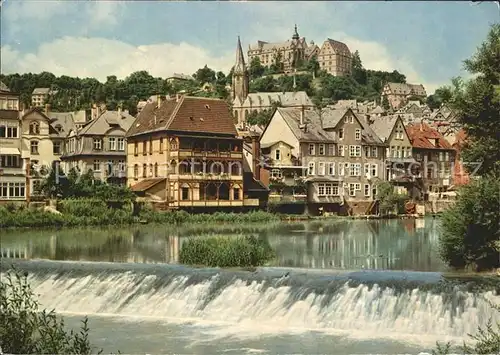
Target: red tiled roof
{"x": 188, "y": 114}
{"x": 421, "y": 133}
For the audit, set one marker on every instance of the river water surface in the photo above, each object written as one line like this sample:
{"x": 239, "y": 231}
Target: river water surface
{"x": 341, "y": 287}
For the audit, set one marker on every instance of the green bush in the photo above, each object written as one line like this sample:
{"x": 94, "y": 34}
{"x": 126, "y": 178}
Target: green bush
{"x": 470, "y": 228}
{"x": 486, "y": 341}
{"x": 221, "y": 251}
{"x": 26, "y": 329}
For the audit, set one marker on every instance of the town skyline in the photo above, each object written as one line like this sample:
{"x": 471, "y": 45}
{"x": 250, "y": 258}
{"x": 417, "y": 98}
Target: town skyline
{"x": 92, "y": 27}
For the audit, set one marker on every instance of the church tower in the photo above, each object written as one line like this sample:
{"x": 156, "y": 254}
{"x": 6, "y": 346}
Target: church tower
{"x": 240, "y": 75}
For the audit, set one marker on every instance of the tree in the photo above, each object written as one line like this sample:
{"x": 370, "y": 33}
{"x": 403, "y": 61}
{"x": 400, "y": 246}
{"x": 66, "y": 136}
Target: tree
{"x": 312, "y": 66}
{"x": 205, "y": 75}
{"x": 358, "y": 72}
{"x": 256, "y": 69}
{"x": 470, "y": 235}
{"x": 264, "y": 84}
{"x": 390, "y": 202}
{"x": 26, "y": 329}
{"x": 478, "y": 105}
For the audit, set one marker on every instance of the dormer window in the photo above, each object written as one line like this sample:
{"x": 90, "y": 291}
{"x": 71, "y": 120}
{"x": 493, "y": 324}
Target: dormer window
{"x": 34, "y": 128}
{"x": 58, "y": 128}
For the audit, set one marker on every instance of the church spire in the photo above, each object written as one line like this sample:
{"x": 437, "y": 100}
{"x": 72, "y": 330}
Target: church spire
{"x": 239, "y": 66}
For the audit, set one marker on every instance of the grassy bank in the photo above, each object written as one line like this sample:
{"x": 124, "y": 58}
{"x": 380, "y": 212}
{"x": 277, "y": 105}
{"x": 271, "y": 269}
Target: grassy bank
{"x": 87, "y": 212}
{"x": 224, "y": 251}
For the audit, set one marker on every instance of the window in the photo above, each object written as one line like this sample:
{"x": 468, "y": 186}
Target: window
{"x": 173, "y": 144}
{"x": 8, "y": 132}
{"x": 277, "y": 154}
{"x": 156, "y": 169}
{"x": 341, "y": 133}
{"x": 367, "y": 190}
{"x": 109, "y": 167}
{"x": 151, "y": 170}
{"x": 374, "y": 152}
{"x": 321, "y": 168}
{"x": 96, "y": 166}
{"x": 408, "y": 152}
{"x": 136, "y": 171}
{"x": 355, "y": 150}
{"x": 374, "y": 191}
{"x": 150, "y": 146}
{"x": 346, "y": 119}
{"x": 357, "y": 186}
{"x": 56, "y": 148}
{"x": 12, "y": 190}
{"x": 121, "y": 144}
{"x": 335, "y": 190}
{"x": 331, "y": 150}
{"x": 236, "y": 193}
{"x": 311, "y": 169}
{"x": 121, "y": 165}
{"x": 276, "y": 173}
{"x": 136, "y": 149}
{"x": 10, "y": 161}
{"x": 341, "y": 169}
{"x": 367, "y": 170}
{"x": 161, "y": 145}
{"x": 352, "y": 189}
{"x": 34, "y": 147}
{"x": 331, "y": 169}
{"x": 403, "y": 152}
{"x": 398, "y": 151}
{"x": 321, "y": 149}
{"x": 374, "y": 171}
{"x": 341, "y": 151}
{"x": 352, "y": 119}
{"x": 144, "y": 170}
{"x": 321, "y": 189}
{"x": 144, "y": 148}
{"x": 34, "y": 128}
{"x": 357, "y": 134}
{"x": 441, "y": 156}
{"x": 112, "y": 143}
{"x": 185, "y": 193}
{"x": 328, "y": 189}
{"x": 367, "y": 152}
{"x": 312, "y": 150}
{"x": 97, "y": 144}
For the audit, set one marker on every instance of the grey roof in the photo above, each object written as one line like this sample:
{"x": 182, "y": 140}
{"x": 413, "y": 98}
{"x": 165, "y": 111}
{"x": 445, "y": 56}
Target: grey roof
{"x": 105, "y": 121}
{"x": 41, "y": 91}
{"x": 377, "y": 110}
{"x": 3, "y": 87}
{"x": 180, "y": 76}
{"x": 407, "y": 89}
{"x": 383, "y": 126}
{"x": 331, "y": 117}
{"x": 313, "y": 131}
{"x": 339, "y": 47}
{"x": 268, "y": 145}
{"x": 286, "y": 99}
{"x": 368, "y": 135}
{"x": 62, "y": 123}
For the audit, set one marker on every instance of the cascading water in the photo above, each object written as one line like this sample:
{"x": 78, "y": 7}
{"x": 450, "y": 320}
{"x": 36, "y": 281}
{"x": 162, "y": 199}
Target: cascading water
{"x": 382, "y": 303}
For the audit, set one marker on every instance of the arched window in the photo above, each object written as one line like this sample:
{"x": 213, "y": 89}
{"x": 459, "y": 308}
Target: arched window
{"x": 136, "y": 171}
{"x": 150, "y": 170}
{"x": 144, "y": 170}
{"x": 156, "y": 169}
{"x": 34, "y": 128}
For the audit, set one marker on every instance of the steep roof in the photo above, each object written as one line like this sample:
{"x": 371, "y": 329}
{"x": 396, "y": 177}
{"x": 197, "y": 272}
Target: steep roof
{"x": 339, "y": 46}
{"x": 383, "y": 126}
{"x": 421, "y": 134}
{"x": 4, "y": 87}
{"x": 368, "y": 135}
{"x": 407, "y": 89}
{"x": 313, "y": 132}
{"x": 106, "y": 121}
{"x": 62, "y": 122}
{"x": 286, "y": 99}
{"x": 188, "y": 114}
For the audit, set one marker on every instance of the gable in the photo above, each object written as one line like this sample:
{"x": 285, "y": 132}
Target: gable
{"x": 278, "y": 130}
{"x": 35, "y": 115}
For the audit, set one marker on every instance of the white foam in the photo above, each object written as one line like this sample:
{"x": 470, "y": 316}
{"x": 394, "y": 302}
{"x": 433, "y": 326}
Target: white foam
{"x": 248, "y": 311}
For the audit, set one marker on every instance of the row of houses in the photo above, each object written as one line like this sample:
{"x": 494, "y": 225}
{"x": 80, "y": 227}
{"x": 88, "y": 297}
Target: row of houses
{"x": 185, "y": 152}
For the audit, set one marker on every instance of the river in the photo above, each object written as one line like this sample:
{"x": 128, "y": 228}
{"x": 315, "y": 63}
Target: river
{"x": 338, "y": 287}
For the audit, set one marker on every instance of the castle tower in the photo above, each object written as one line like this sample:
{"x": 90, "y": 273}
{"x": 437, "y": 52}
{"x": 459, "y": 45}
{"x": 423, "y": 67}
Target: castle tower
{"x": 240, "y": 75}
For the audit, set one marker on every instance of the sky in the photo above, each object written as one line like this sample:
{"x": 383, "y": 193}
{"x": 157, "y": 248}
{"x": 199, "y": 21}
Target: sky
{"x": 425, "y": 40}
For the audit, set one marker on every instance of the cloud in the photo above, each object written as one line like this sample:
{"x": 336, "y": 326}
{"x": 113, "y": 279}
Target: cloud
{"x": 104, "y": 13}
{"x": 100, "y": 57}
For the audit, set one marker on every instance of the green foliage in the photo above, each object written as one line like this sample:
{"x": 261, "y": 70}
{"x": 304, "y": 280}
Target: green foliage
{"x": 486, "y": 341}
{"x": 263, "y": 117}
{"x": 256, "y": 69}
{"x": 390, "y": 202}
{"x": 478, "y": 104}
{"x": 27, "y": 329}
{"x": 470, "y": 234}
{"x": 220, "y": 251}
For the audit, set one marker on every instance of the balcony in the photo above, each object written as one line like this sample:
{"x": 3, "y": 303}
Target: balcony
{"x": 285, "y": 199}
{"x": 185, "y": 153}
{"x": 13, "y": 171}
{"x": 204, "y": 177}
{"x": 212, "y": 203}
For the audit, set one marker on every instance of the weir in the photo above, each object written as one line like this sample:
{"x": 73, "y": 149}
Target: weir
{"x": 373, "y": 301}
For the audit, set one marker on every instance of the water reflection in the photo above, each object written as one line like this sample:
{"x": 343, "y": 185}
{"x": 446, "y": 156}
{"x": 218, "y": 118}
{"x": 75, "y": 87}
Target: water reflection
{"x": 393, "y": 244}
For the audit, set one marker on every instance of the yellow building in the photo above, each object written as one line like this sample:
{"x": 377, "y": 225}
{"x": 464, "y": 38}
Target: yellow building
{"x": 186, "y": 152}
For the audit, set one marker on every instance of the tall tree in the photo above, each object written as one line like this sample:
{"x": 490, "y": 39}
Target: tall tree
{"x": 256, "y": 69}
{"x": 478, "y": 105}
{"x": 205, "y": 75}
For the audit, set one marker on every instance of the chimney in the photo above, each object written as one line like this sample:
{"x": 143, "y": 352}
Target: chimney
{"x": 47, "y": 109}
{"x": 256, "y": 157}
{"x": 302, "y": 115}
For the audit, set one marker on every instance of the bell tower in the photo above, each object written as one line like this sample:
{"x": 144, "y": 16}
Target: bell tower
{"x": 240, "y": 75}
